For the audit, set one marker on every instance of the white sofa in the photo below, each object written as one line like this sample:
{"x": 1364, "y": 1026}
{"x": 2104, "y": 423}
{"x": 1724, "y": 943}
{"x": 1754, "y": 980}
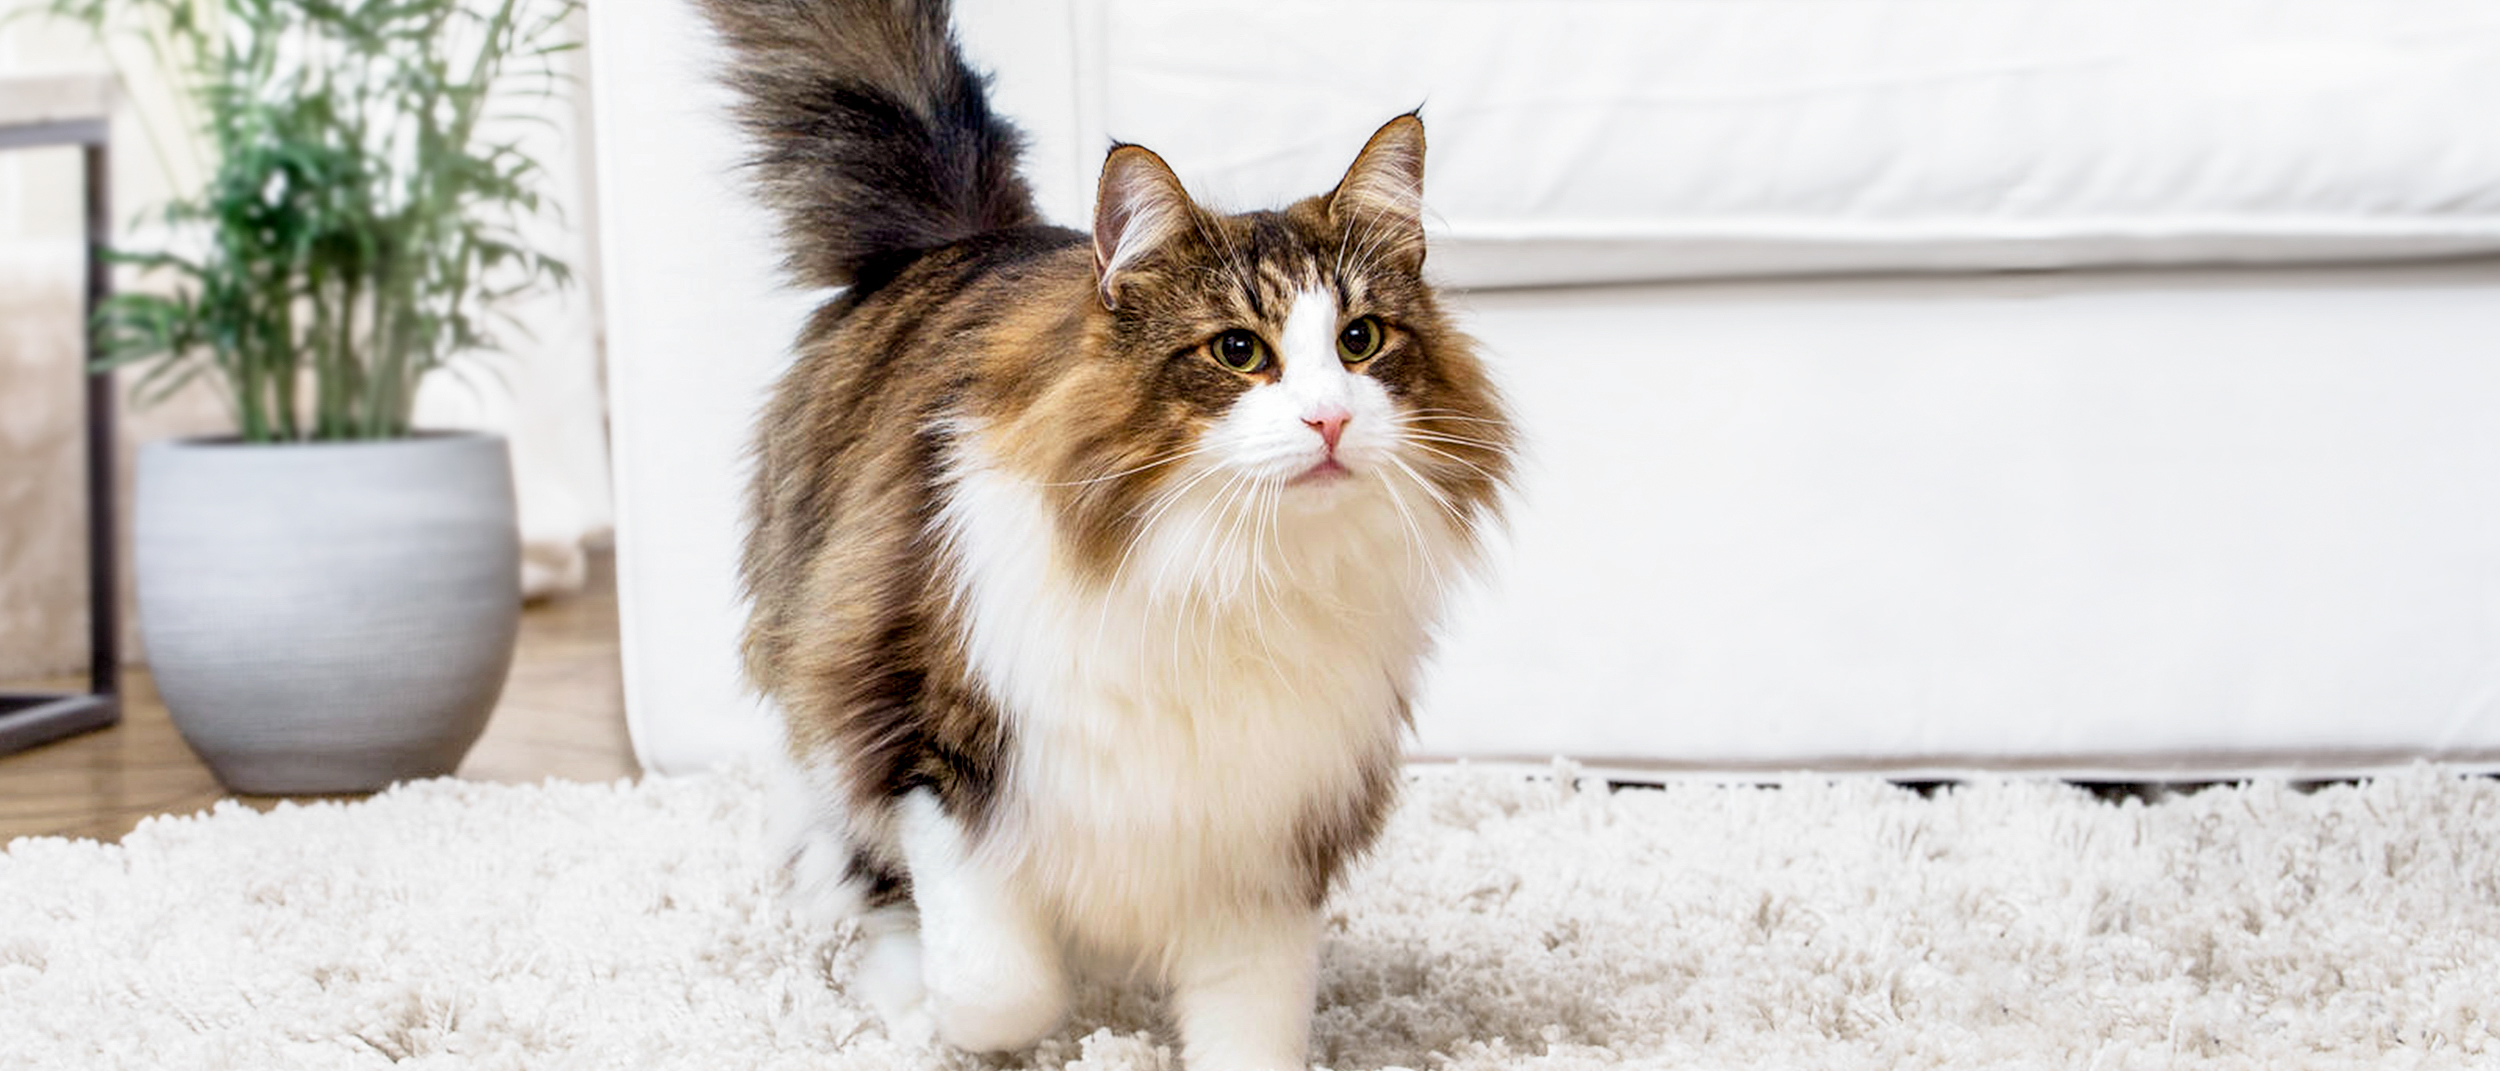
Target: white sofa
{"x": 2092, "y": 388}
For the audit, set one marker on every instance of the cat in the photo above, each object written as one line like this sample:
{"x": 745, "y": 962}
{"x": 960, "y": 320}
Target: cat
{"x": 1091, "y": 573}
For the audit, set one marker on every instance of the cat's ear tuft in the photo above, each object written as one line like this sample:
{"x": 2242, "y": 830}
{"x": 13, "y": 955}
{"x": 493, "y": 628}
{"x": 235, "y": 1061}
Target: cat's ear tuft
{"x": 1380, "y": 202}
{"x": 1140, "y": 205}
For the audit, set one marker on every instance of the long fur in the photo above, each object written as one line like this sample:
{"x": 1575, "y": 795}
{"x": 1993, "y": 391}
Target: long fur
{"x": 874, "y": 140}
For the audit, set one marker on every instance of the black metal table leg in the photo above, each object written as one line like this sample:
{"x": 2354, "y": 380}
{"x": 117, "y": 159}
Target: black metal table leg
{"x": 103, "y": 567}
{"x": 28, "y": 719}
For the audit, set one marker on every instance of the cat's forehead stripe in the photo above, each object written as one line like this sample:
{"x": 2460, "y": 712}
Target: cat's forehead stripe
{"x": 1282, "y": 261}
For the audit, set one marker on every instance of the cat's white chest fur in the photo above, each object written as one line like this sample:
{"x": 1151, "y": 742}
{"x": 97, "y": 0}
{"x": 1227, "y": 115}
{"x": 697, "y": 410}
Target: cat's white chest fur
{"x": 1172, "y": 732}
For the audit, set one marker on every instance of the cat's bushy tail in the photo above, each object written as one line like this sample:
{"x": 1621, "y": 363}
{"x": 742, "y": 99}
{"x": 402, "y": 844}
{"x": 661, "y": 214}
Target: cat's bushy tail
{"x": 874, "y": 139}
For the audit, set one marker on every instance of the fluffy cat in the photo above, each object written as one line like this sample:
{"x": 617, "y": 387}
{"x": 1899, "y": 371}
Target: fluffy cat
{"x": 1090, "y": 572}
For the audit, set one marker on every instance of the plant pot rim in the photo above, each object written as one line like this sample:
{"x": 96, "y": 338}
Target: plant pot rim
{"x": 224, "y": 442}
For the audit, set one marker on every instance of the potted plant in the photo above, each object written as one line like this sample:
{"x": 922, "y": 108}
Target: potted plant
{"x": 330, "y": 596}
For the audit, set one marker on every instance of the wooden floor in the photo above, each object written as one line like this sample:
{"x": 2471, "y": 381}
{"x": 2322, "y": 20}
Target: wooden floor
{"x": 562, "y": 715}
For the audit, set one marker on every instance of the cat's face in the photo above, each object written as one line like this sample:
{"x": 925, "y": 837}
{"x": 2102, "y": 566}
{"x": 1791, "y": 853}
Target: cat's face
{"x": 1291, "y": 356}
{"x": 1285, "y": 367}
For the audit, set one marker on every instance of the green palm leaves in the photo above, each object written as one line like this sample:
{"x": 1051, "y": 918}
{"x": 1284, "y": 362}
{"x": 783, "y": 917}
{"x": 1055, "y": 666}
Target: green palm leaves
{"x": 360, "y": 229}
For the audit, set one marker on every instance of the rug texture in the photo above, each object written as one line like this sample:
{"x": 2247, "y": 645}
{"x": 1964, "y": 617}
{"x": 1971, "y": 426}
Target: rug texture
{"x": 1504, "y": 922}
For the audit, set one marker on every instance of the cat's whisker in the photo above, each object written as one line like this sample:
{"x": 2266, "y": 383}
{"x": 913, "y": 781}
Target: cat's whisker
{"x": 1164, "y": 501}
{"x": 1411, "y": 532}
{"x": 1184, "y": 613}
{"x": 1439, "y": 423}
{"x": 1256, "y": 577}
{"x": 1261, "y": 592}
{"x": 1283, "y": 673}
{"x": 1156, "y": 463}
{"x": 1438, "y": 429}
{"x": 1275, "y": 502}
{"x": 1275, "y": 523}
{"x": 1452, "y": 440}
{"x": 1453, "y": 414}
{"x": 1425, "y": 445}
{"x": 1231, "y": 578}
{"x": 1235, "y": 570}
{"x": 1156, "y": 594}
{"x": 1435, "y": 493}
{"x": 1222, "y": 579}
{"x": 1144, "y": 532}
{"x": 1275, "y": 527}
{"x": 1195, "y": 526}
{"x": 1455, "y": 459}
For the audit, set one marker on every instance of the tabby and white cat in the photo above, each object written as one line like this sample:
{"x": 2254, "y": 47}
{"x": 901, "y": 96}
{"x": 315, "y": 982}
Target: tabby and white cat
{"x": 1091, "y": 572}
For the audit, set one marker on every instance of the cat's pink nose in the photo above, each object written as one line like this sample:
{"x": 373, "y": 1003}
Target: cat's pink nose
{"x": 1329, "y": 423}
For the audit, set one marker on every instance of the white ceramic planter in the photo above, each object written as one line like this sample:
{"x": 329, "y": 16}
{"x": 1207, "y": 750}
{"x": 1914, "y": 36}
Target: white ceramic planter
{"x": 328, "y": 617}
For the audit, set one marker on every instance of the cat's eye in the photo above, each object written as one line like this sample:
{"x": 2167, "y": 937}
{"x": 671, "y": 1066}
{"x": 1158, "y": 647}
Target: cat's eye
{"x": 1240, "y": 351}
{"x": 1359, "y": 341}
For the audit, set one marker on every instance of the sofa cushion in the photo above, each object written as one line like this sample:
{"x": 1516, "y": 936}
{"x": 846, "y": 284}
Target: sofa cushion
{"x": 1605, "y": 140}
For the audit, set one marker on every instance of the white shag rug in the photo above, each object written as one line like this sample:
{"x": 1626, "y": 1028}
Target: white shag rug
{"x": 1504, "y": 922}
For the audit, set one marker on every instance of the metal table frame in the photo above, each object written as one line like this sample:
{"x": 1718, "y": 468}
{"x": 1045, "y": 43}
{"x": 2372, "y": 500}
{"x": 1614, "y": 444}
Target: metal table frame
{"x": 28, "y": 719}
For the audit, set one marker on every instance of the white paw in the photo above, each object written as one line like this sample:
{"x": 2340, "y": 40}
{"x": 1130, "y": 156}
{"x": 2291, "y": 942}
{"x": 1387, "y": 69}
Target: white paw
{"x": 991, "y": 969}
{"x": 998, "y": 991}
{"x": 889, "y": 981}
{"x": 912, "y": 1026}
{"x": 1000, "y": 1022}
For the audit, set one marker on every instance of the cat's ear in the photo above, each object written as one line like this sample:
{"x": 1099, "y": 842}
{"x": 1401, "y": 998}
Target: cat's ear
{"x": 1139, "y": 206}
{"x": 1380, "y": 202}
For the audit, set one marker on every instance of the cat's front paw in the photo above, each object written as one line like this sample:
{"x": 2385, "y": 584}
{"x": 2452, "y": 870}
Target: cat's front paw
{"x": 1007, "y": 1015}
{"x": 889, "y": 982}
